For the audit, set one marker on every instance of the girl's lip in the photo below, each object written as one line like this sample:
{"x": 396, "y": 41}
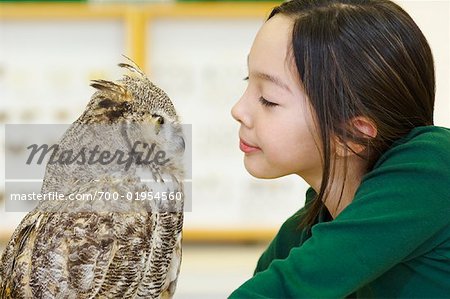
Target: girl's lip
{"x": 246, "y": 148}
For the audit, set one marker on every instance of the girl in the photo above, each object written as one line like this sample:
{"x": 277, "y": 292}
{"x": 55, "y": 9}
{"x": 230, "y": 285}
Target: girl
{"x": 341, "y": 92}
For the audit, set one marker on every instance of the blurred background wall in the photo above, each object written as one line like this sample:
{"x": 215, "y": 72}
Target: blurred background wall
{"x": 197, "y": 53}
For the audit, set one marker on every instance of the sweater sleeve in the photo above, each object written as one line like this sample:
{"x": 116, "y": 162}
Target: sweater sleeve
{"x": 281, "y": 245}
{"x": 400, "y": 204}
{"x": 288, "y": 237}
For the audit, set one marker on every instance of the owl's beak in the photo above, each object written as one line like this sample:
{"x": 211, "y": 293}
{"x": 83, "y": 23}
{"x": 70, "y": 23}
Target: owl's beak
{"x": 182, "y": 144}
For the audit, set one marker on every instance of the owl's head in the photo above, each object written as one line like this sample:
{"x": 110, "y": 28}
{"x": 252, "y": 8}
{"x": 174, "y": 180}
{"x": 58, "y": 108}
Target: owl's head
{"x": 134, "y": 99}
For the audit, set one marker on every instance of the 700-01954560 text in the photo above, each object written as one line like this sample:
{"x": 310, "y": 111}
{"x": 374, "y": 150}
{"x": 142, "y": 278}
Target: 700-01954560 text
{"x": 99, "y": 195}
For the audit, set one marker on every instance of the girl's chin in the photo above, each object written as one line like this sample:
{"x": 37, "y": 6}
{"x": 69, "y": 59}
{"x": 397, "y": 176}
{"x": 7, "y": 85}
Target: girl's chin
{"x": 258, "y": 171}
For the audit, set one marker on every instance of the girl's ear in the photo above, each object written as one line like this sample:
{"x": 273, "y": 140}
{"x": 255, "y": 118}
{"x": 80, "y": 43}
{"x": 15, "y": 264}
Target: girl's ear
{"x": 362, "y": 126}
{"x": 365, "y": 126}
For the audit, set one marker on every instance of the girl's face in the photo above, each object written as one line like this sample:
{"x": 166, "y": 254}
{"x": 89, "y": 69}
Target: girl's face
{"x": 277, "y": 132}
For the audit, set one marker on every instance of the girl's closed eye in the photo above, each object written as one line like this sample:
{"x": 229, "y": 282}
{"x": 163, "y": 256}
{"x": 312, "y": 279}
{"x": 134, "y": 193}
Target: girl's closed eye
{"x": 267, "y": 103}
{"x": 262, "y": 100}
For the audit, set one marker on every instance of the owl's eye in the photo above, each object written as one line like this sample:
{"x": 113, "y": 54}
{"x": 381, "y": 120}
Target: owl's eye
{"x": 159, "y": 118}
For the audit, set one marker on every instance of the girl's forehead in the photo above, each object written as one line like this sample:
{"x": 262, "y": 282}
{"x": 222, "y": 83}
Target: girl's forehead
{"x": 271, "y": 51}
{"x": 275, "y": 33}
{"x": 272, "y": 43}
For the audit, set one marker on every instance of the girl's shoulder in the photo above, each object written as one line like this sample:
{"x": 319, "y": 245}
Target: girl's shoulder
{"x": 416, "y": 167}
{"x": 422, "y": 145}
{"x": 434, "y": 134}
{"x": 414, "y": 172}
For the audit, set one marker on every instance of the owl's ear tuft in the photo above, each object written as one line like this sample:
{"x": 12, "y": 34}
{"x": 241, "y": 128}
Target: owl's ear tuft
{"x": 111, "y": 94}
{"x": 108, "y": 86}
{"x": 132, "y": 66}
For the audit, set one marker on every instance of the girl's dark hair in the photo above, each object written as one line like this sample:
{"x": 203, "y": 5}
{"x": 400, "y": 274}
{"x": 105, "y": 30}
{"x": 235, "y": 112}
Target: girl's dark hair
{"x": 360, "y": 58}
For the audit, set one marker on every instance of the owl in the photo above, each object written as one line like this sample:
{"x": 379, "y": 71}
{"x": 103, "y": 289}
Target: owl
{"x": 117, "y": 231}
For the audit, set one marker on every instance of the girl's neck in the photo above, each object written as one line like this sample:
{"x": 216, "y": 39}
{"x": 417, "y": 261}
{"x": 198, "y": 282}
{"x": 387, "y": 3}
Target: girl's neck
{"x": 356, "y": 168}
{"x": 335, "y": 203}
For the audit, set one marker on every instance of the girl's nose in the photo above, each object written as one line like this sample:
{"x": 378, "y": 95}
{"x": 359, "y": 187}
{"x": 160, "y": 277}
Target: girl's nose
{"x": 240, "y": 113}
{"x": 235, "y": 112}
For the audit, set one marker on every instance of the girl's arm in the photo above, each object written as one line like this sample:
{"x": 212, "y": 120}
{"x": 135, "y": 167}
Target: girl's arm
{"x": 289, "y": 236}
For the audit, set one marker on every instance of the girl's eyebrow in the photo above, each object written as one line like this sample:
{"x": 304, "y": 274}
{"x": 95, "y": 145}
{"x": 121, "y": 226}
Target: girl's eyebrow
{"x": 277, "y": 81}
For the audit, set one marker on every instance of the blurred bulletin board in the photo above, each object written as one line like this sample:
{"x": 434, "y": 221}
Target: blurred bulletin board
{"x": 197, "y": 53}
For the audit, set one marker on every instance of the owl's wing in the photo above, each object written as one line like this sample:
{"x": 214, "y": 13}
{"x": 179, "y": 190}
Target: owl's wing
{"x": 13, "y": 263}
{"x": 170, "y": 284}
{"x": 77, "y": 254}
{"x": 141, "y": 245}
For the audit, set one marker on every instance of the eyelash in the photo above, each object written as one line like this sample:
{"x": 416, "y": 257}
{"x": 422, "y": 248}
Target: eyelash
{"x": 262, "y": 100}
{"x": 266, "y": 103}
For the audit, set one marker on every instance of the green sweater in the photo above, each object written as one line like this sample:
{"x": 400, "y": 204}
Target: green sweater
{"x": 393, "y": 240}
